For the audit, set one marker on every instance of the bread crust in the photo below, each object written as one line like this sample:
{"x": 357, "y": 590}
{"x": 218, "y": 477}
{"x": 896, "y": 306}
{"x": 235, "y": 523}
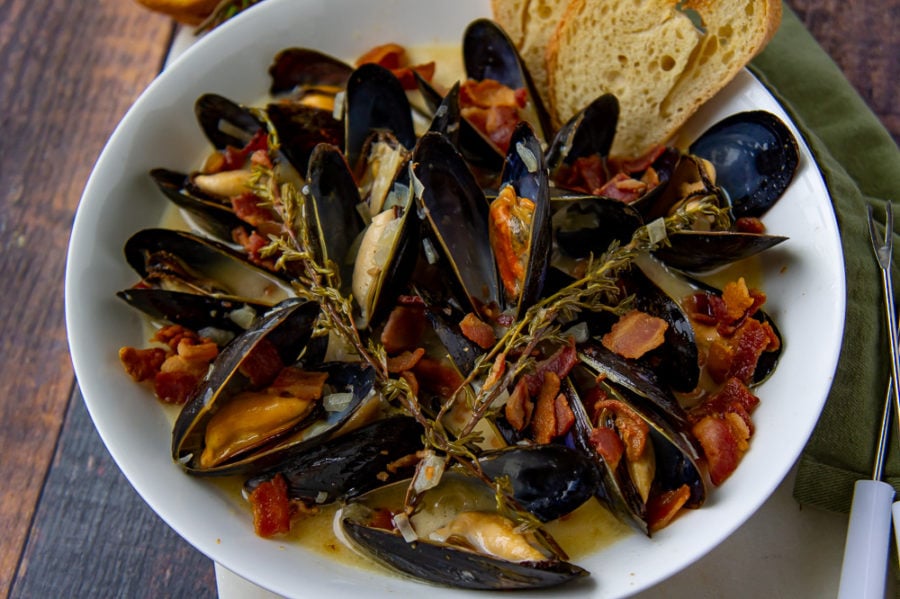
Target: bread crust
{"x": 697, "y": 68}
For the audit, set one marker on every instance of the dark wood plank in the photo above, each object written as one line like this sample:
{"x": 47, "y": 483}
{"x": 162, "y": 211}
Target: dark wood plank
{"x": 863, "y": 38}
{"x": 93, "y": 536}
{"x": 68, "y": 72}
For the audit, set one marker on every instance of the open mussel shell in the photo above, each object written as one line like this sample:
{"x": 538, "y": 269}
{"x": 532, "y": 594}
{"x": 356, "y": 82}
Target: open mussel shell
{"x": 548, "y": 481}
{"x": 446, "y": 562}
{"x": 301, "y": 128}
{"x": 488, "y": 53}
{"x": 638, "y": 378}
{"x": 350, "y": 464}
{"x": 456, "y": 212}
{"x": 755, "y": 156}
{"x": 210, "y": 214}
{"x": 297, "y": 68}
{"x": 590, "y": 132}
{"x": 335, "y": 198}
{"x": 586, "y": 225}
{"x": 182, "y": 261}
{"x": 703, "y": 251}
{"x": 680, "y": 286}
{"x": 469, "y": 141}
{"x": 375, "y": 100}
{"x": 525, "y": 170}
{"x": 193, "y": 311}
{"x": 676, "y": 360}
{"x": 224, "y": 122}
{"x": 256, "y": 439}
{"x": 674, "y": 456}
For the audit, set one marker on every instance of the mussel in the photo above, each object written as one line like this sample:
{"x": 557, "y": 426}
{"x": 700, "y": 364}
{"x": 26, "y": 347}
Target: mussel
{"x": 256, "y": 407}
{"x": 455, "y": 537}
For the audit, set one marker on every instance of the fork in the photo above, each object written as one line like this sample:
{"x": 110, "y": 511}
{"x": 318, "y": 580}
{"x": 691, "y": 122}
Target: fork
{"x": 868, "y": 535}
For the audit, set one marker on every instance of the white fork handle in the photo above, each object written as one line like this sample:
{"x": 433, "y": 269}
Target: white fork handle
{"x": 868, "y": 541}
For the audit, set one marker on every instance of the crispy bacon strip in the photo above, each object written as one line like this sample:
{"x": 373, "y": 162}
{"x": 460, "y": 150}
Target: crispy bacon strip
{"x": 405, "y": 326}
{"x": 544, "y": 423}
{"x": 632, "y": 429}
{"x": 519, "y": 407}
{"x": 723, "y": 426}
{"x": 607, "y": 443}
{"x": 492, "y": 108}
{"x": 142, "y": 364}
{"x": 478, "y": 331}
{"x": 393, "y": 57}
{"x": 560, "y": 363}
{"x": 663, "y": 507}
{"x": 404, "y": 361}
{"x": 634, "y": 334}
{"x": 271, "y": 507}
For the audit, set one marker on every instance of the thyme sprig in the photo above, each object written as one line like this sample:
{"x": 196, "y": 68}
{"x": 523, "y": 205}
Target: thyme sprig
{"x": 222, "y": 12}
{"x": 596, "y": 290}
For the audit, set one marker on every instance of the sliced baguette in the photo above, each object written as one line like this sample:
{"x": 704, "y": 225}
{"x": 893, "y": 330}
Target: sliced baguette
{"x": 649, "y": 54}
{"x": 530, "y": 24}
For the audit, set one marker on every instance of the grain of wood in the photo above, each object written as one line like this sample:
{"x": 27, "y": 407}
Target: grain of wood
{"x": 68, "y": 72}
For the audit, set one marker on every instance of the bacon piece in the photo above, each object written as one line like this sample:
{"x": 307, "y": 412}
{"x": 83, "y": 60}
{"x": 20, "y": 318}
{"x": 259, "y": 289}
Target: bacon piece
{"x": 249, "y": 208}
{"x": 632, "y": 429}
{"x": 492, "y": 108}
{"x": 142, "y": 364}
{"x": 478, "y": 331}
{"x": 301, "y": 384}
{"x": 634, "y": 334}
{"x": 638, "y": 164}
{"x": 408, "y": 80}
{"x": 749, "y": 224}
{"x": 437, "y": 377}
{"x": 718, "y": 360}
{"x": 662, "y": 507}
{"x": 752, "y": 339}
{"x": 622, "y": 187}
{"x": 271, "y": 508}
{"x": 519, "y": 407}
{"x": 262, "y": 364}
{"x": 390, "y": 56}
{"x": 404, "y": 361}
{"x": 607, "y": 443}
{"x": 174, "y": 386}
{"x": 560, "y": 363}
{"x": 404, "y": 328}
{"x": 565, "y": 418}
{"x": 734, "y": 397}
{"x": 737, "y": 299}
{"x": 544, "y": 422}
{"x": 234, "y": 158}
{"x": 719, "y": 445}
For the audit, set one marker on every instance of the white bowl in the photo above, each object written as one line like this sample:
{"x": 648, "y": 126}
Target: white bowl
{"x": 804, "y": 280}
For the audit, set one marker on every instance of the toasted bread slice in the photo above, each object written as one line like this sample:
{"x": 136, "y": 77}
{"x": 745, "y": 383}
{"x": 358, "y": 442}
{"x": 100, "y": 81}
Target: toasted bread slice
{"x": 653, "y": 58}
{"x": 530, "y": 24}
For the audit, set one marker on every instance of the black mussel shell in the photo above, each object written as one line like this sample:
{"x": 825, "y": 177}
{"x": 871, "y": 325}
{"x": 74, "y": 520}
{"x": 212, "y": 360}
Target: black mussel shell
{"x": 675, "y": 457}
{"x": 456, "y": 211}
{"x": 301, "y": 128}
{"x": 586, "y": 225}
{"x": 302, "y": 67}
{"x": 210, "y": 214}
{"x": 201, "y": 264}
{"x": 444, "y": 563}
{"x": 350, "y": 464}
{"x": 375, "y": 100}
{"x": 755, "y": 156}
{"x": 548, "y": 481}
{"x": 224, "y": 122}
{"x": 194, "y": 311}
{"x": 702, "y": 251}
{"x": 287, "y": 329}
{"x": 488, "y": 53}
{"x": 634, "y": 376}
{"x": 525, "y": 170}
{"x": 456, "y": 568}
{"x": 335, "y": 198}
{"x": 588, "y": 133}
{"x": 676, "y": 360}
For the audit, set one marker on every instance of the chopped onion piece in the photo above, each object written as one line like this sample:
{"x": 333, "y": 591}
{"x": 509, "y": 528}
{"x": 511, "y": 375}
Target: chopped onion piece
{"x": 337, "y": 402}
{"x": 401, "y": 521}
{"x": 429, "y": 472}
{"x": 527, "y": 157}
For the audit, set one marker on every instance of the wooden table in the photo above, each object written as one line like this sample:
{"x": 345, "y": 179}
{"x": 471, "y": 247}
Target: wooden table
{"x": 72, "y": 525}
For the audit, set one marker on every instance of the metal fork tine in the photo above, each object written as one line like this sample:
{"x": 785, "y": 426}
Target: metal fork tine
{"x": 883, "y": 246}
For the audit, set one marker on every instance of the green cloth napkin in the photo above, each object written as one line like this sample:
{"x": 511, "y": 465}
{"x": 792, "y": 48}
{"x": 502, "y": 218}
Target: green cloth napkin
{"x": 861, "y": 165}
